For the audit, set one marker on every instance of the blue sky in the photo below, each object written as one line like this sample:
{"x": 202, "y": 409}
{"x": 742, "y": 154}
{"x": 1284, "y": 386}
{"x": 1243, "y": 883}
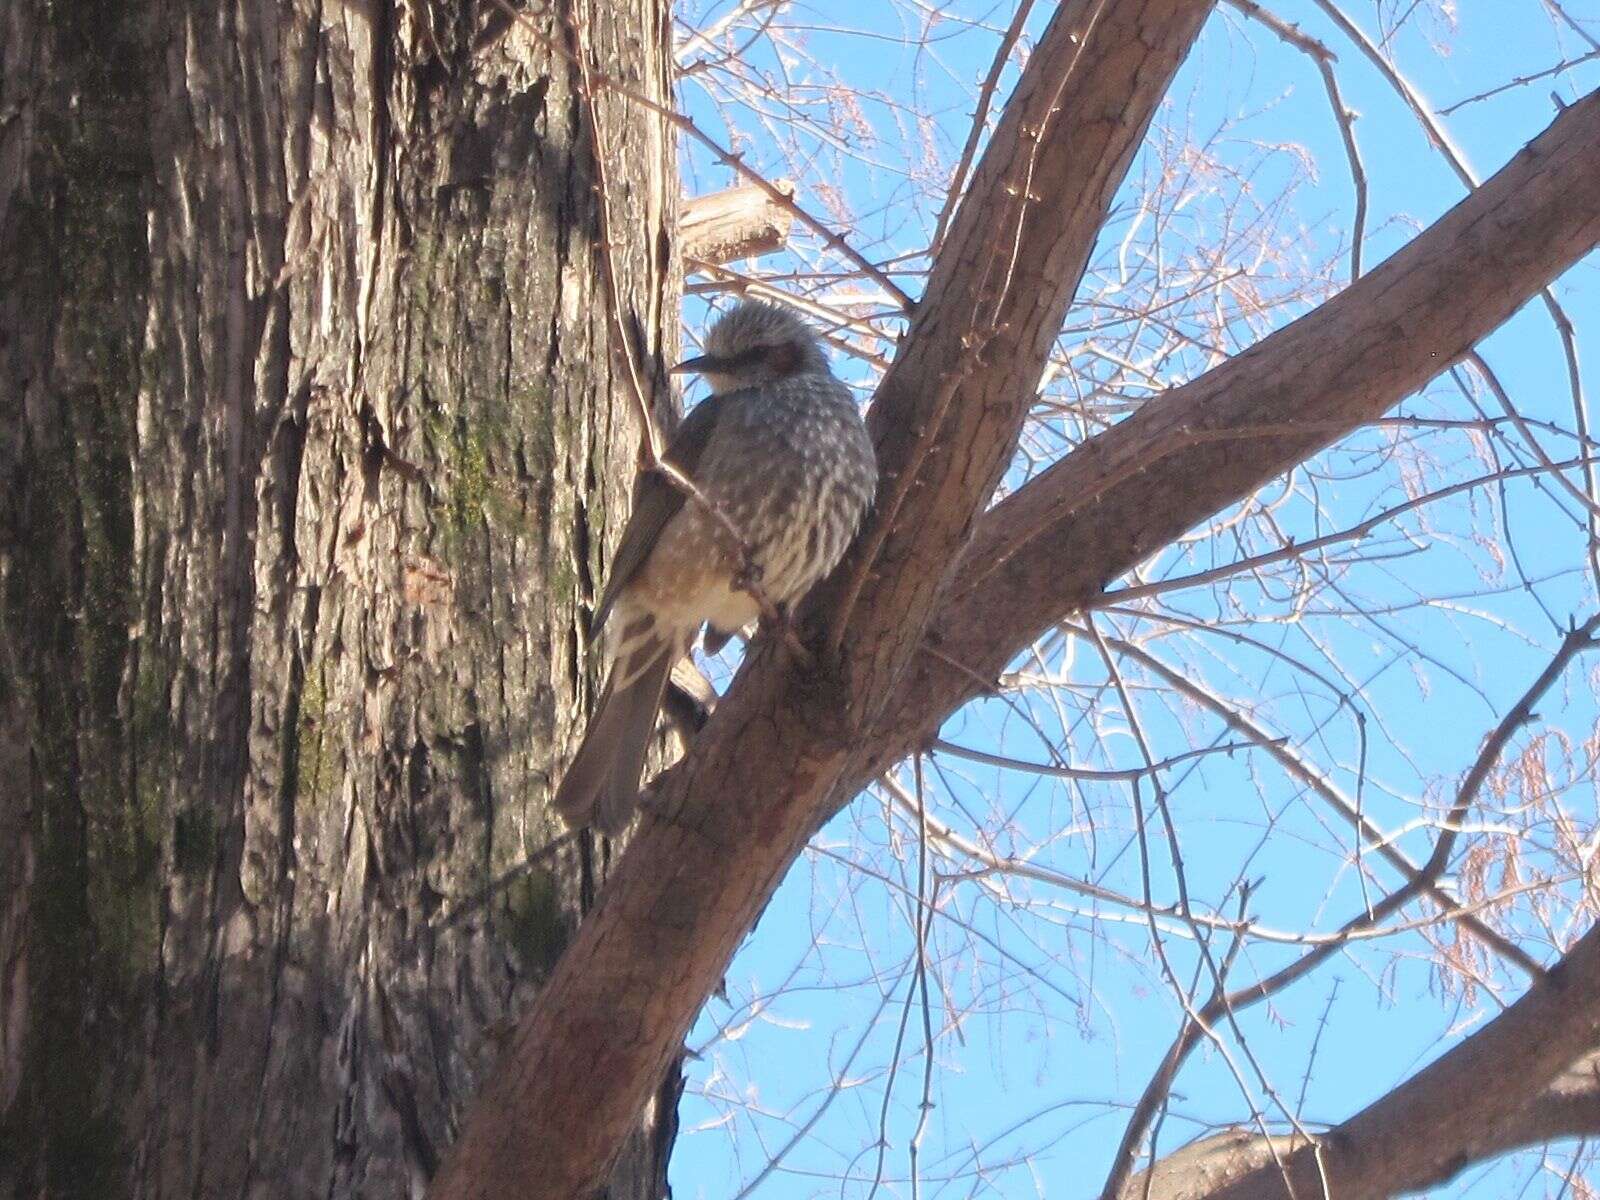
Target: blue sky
{"x": 1049, "y": 1011}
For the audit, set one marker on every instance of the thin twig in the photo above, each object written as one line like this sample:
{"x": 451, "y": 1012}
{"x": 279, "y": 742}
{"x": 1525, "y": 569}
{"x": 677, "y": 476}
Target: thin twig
{"x": 1501, "y": 395}
{"x": 1579, "y": 640}
{"x": 924, "y": 917}
{"x": 958, "y": 178}
{"x": 1299, "y": 549}
{"x": 1521, "y": 81}
{"x": 991, "y": 863}
{"x": 1292, "y": 34}
{"x": 1316, "y": 1042}
{"x": 1336, "y": 799}
{"x": 747, "y": 575}
{"x": 1088, "y": 774}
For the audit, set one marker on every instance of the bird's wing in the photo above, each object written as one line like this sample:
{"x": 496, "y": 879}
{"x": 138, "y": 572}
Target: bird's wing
{"x": 655, "y": 499}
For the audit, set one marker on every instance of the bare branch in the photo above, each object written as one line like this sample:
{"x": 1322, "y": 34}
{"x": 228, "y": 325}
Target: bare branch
{"x": 980, "y": 118}
{"x": 1520, "y": 81}
{"x": 1518, "y": 1079}
{"x": 782, "y": 751}
{"x": 707, "y": 855}
{"x": 1319, "y": 53}
{"x": 947, "y": 416}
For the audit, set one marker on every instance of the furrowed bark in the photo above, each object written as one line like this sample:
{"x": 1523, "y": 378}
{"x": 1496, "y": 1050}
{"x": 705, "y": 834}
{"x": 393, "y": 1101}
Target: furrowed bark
{"x": 313, "y": 438}
{"x": 720, "y": 835}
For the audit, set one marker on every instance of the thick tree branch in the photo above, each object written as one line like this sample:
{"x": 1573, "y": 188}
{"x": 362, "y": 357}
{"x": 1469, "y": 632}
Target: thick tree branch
{"x": 726, "y": 827}
{"x": 1525, "y": 1077}
{"x": 947, "y": 415}
{"x": 1569, "y": 1107}
{"x": 783, "y": 750}
{"x": 1052, "y": 547}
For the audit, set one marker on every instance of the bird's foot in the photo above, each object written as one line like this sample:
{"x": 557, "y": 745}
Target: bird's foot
{"x": 779, "y": 622}
{"x": 748, "y": 578}
{"x": 774, "y": 619}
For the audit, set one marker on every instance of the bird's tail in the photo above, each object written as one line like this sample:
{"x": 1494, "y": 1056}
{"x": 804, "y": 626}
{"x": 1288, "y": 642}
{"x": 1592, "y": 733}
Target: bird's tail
{"x": 602, "y": 784}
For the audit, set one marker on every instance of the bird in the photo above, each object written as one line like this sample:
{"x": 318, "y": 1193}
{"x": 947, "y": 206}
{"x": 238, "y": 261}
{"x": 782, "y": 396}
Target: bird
{"x": 781, "y": 452}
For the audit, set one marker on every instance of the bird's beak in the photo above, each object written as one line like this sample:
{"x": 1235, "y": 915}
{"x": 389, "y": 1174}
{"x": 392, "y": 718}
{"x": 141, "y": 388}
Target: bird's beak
{"x": 698, "y": 365}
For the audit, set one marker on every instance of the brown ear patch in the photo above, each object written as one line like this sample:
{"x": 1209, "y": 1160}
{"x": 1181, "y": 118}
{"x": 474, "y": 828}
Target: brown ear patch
{"x": 783, "y": 358}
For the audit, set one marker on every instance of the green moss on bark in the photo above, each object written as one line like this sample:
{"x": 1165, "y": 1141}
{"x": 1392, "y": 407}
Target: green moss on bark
{"x": 533, "y": 923}
{"x": 316, "y": 756}
{"x": 74, "y": 261}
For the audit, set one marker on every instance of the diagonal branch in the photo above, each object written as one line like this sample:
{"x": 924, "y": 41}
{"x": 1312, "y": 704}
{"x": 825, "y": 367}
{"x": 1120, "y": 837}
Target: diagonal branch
{"x": 783, "y": 751}
{"x": 1517, "y": 1078}
{"x": 947, "y": 415}
{"x": 726, "y": 826}
{"x": 1568, "y": 1107}
{"x": 1052, "y": 547}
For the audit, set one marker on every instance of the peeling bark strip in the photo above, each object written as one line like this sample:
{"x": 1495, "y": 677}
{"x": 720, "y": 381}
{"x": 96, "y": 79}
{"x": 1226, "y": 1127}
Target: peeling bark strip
{"x": 311, "y": 448}
{"x": 736, "y": 223}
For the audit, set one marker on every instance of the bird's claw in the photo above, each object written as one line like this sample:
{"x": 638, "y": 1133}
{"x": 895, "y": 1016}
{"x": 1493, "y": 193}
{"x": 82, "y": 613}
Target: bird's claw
{"x": 748, "y": 577}
{"x": 779, "y": 624}
{"x": 776, "y": 621}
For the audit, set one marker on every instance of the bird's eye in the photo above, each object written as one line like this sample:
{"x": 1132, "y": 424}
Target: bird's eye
{"x": 742, "y": 361}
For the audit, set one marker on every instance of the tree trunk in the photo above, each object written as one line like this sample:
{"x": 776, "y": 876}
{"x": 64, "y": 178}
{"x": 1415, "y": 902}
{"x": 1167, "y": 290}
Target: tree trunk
{"x": 314, "y": 436}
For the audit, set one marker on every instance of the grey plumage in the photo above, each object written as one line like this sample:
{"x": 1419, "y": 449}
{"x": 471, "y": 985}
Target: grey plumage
{"x": 780, "y": 449}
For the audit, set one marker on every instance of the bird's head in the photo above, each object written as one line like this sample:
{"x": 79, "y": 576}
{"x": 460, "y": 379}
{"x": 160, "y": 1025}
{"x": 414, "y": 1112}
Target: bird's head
{"x": 754, "y": 343}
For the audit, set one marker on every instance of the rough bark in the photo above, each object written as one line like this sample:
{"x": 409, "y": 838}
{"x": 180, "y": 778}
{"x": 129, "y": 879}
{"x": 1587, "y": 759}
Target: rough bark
{"x": 785, "y": 749}
{"x": 313, "y": 439}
